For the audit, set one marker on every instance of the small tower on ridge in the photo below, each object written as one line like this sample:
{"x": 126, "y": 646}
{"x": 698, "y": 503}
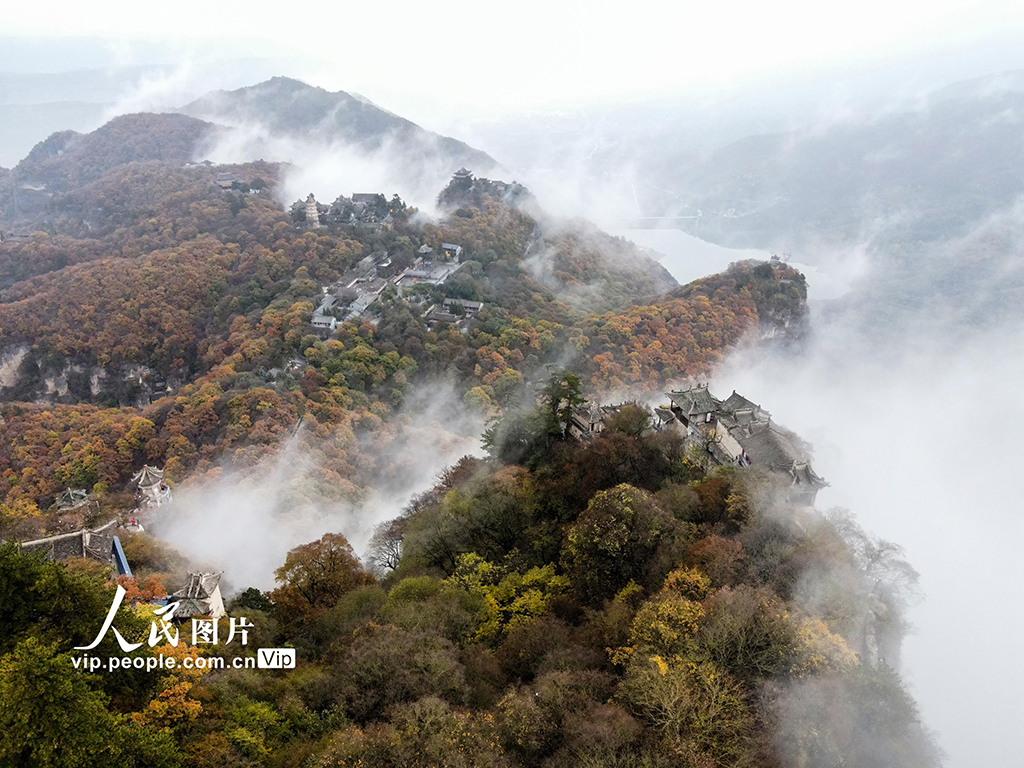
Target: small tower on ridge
{"x": 312, "y": 214}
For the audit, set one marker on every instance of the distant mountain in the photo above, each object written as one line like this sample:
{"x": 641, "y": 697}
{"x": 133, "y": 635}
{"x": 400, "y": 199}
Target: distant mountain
{"x": 35, "y": 105}
{"x": 408, "y": 159}
{"x": 932, "y": 198}
{"x": 72, "y": 158}
{"x": 286, "y": 107}
{"x": 923, "y": 175}
{"x": 24, "y": 124}
{"x": 68, "y": 160}
{"x": 94, "y": 86}
{"x": 979, "y": 87}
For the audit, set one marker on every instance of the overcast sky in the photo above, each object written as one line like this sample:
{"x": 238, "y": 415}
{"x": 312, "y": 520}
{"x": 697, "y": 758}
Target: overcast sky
{"x": 488, "y": 58}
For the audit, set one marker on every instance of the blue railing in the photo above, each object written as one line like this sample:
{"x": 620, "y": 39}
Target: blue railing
{"x": 120, "y": 561}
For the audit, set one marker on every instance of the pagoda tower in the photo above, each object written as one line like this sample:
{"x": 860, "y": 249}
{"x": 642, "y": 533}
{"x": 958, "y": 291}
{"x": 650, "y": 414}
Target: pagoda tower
{"x": 312, "y": 214}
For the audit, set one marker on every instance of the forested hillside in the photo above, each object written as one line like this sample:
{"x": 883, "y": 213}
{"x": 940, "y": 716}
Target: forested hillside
{"x": 152, "y": 294}
{"x": 602, "y": 602}
{"x": 594, "y": 604}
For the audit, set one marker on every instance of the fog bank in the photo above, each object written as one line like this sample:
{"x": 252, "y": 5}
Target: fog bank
{"x": 919, "y": 437}
{"x": 244, "y": 521}
{"x": 689, "y": 258}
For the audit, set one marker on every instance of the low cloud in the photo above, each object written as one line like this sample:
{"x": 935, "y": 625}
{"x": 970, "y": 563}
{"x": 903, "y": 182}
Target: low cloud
{"x": 244, "y": 521}
{"x": 331, "y": 168}
{"x": 913, "y": 407}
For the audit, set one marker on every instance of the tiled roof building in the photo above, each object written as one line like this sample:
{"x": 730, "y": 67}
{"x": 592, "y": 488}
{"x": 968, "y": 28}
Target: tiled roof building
{"x": 199, "y": 597}
{"x": 152, "y": 490}
{"x": 738, "y": 431}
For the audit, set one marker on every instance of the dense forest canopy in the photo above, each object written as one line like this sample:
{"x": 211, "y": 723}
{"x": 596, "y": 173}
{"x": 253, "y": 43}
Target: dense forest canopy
{"x": 604, "y": 604}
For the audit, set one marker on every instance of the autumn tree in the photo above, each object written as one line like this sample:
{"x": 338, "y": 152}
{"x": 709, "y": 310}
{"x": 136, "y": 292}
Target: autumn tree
{"x": 561, "y": 395}
{"x": 315, "y": 575}
{"x": 386, "y": 545}
{"x": 700, "y": 711}
{"x": 631, "y": 419}
{"x": 508, "y": 599}
{"x": 614, "y": 540}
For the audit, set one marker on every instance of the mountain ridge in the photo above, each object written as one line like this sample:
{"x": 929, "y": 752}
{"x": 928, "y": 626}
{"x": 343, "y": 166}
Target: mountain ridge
{"x": 290, "y": 107}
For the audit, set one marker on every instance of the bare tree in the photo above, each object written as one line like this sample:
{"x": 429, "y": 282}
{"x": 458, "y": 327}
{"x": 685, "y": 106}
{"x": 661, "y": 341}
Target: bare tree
{"x": 385, "y": 549}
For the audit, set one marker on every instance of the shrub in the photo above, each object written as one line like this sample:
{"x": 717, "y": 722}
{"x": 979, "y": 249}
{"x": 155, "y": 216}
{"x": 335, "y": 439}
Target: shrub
{"x": 688, "y": 582}
{"x": 387, "y": 665}
{"x": 425, "y": 734}
{"x": 613, "y": 540}
{"x": 429, "y": 604}
{"x": 748, "y": 632}
{"x": 532, "y": 718}
{"x": 699, "y": 710}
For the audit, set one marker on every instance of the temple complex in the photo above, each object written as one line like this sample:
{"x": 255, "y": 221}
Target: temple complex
{"x": 732, "y": 431}
{"x": 451, "y": 251}
{"x": 72, "y": 498}
{"x": 738, "y": 431}
{"x": 462, "y": 179}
